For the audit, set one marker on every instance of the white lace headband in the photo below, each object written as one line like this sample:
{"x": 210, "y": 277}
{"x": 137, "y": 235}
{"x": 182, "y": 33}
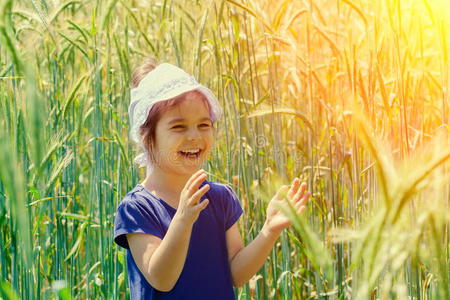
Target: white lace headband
{"x": 164, "y": 82}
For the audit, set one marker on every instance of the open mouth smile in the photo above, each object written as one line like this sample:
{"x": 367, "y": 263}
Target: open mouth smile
{"x": 191, "y": 154}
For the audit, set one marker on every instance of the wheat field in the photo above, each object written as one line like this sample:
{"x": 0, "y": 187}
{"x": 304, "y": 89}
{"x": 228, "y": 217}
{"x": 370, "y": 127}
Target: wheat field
{"x": 351, "y": 96}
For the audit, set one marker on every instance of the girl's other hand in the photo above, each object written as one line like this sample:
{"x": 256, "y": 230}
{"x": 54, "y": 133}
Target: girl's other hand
{"x": 189, "y": 207}
{"x": 276, "y": 221}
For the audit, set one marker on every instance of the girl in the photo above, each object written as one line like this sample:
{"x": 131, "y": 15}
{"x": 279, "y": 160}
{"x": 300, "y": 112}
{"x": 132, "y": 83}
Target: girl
{"x": 179, "y": 229}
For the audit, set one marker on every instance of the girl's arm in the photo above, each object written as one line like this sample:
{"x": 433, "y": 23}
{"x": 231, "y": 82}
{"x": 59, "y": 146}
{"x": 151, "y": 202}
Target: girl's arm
{"x": 161, "y": 261}
{"x": 245, "y": 262}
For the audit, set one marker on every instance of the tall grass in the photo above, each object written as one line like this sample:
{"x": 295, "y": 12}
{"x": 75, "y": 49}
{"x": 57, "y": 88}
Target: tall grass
{"x": 344, "y": 94}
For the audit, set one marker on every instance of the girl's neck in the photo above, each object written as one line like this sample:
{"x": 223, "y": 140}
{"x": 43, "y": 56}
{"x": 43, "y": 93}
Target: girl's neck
{"x": 165, "y": 185}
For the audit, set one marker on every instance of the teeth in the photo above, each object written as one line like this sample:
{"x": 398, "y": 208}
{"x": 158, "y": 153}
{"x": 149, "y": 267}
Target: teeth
{"x": 191, "y": 151}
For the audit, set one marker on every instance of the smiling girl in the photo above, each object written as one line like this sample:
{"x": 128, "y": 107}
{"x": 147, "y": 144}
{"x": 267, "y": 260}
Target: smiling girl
{"x": 179, "y": 229}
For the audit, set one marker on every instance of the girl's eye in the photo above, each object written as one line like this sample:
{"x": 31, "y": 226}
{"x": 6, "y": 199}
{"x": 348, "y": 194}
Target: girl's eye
{"x": 205, "y": 125}
{"x": 178, "y": 127}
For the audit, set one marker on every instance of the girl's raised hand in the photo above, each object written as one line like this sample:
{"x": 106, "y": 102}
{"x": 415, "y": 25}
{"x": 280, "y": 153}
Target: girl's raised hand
{"x": 276, "y": 221}
{"x": 189, "y": 207}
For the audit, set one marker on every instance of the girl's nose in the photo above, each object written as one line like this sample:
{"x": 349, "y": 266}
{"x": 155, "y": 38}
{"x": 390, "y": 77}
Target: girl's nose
{"x": 193, "y": 134}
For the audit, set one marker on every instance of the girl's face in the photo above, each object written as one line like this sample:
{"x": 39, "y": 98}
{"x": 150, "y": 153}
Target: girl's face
{"x": 184, "y": 136}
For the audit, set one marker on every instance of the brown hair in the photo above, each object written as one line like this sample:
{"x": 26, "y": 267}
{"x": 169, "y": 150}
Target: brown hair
{"x": 147, "y": 131}
{"x": 143, "y": 69}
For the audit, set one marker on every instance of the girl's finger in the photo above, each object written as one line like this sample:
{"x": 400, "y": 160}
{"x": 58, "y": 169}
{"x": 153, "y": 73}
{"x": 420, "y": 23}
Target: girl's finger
{"x": 294, "y": 187}
{"x": 193, "y": 177}
{"x": 303, "y": 200}
{"x": 196, "y": 184}
{"x": 202, "y": 205}
{"x": 198, "y": 194}
{"x": 300, "y": 210}
{"x": 300, "y": 192}
{"x": 281, "y": 193}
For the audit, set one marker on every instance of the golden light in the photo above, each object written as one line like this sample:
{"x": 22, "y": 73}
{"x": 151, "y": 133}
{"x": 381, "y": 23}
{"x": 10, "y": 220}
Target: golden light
{"x": 439, "y": 8}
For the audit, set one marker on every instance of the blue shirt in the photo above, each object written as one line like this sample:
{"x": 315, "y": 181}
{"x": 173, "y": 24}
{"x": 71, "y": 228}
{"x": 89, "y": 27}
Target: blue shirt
{"x": 206, "y": 272}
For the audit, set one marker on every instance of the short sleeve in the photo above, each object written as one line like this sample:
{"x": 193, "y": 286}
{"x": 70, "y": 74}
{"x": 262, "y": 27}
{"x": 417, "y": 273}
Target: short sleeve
{"x": 233, "y": 209}
{"x": 134, "y": 217}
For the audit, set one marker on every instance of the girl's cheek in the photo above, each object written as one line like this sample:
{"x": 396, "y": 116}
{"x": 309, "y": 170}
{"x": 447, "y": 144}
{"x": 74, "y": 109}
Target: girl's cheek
{"x": 208, "y": 133}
